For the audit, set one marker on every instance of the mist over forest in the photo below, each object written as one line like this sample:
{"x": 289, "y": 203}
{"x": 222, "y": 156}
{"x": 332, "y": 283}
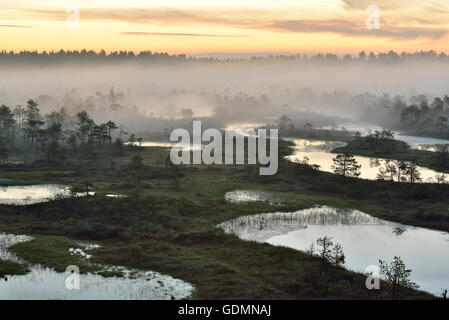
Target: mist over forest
{"x": 235, "y": 151}
{"x": 146, "y": 92}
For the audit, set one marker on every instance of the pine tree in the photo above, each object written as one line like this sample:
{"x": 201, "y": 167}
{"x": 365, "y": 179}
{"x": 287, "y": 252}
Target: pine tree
{"x": 346, "y": 165}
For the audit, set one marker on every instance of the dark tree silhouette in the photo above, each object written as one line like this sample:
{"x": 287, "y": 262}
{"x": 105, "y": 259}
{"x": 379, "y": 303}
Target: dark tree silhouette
{"x": 346, "y": 165}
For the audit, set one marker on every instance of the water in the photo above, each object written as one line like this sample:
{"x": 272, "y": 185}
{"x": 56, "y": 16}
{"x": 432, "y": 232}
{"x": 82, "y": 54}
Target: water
{"x": 24, "y": 195}
{"x": 111, "y": 195}
{"x": 168, "y": 144}
{"x": 242, "y": 196}
{"x": 244, "y": 129}
{"x": 44, "y": 283}
{"x": 319, "y": 152}
{"x": 244, "y": 125}
{"x": 365, "y": 240}
{"x": 162, "y": 144}
{"x": 421, "y": 143}
{"x": 156, "y": 144}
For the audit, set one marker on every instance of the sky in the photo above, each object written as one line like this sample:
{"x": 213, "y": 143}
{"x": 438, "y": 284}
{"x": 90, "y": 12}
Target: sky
{"x": 231, "y": 26}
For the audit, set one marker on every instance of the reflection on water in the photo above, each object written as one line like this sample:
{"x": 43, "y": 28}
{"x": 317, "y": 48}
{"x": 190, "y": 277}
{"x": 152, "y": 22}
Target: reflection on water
{"x": 8, "y": 240}
{"x": 318, "y": 152}
{"x": 239, "y": 196}
{"x": 244, "y": 129}
{"x": 365, "y": 240}
{"x": 261, "y": 227}
{"x": 156, "y": 144}
{"x": 308, "y": 145}
{"x": 111, "y": 195}
{"x": 45, "y": 283}
{"x": 421, "y": 143}
{"x": 23, "y": 195}
{"x": 244, "y": 125}
{"x": 168, "y": 144}
{"x": 433, "y": 147}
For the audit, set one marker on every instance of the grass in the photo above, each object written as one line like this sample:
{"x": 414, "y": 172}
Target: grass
{"x": 52, "y": 251}
{"x": 12, "y": 268}
{"x": 170, "y": 228}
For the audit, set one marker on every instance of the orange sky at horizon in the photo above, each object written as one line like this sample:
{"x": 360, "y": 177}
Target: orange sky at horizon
{"x": 197, "y": 26}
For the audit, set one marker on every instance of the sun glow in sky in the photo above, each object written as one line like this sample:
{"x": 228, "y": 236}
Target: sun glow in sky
{"x": 231, "y": 26}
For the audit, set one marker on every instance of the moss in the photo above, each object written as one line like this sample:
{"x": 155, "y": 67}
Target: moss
{"x": 12, "y": 268}
{"x": 52, "y": 251}
{"x": 172, "y": 230}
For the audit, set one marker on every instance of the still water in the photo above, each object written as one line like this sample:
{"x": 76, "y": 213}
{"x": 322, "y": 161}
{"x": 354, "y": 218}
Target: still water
{"x": 421, "y": 143}
{"x": 319, "y": 152}
{"x": 24, "y": 195}
{"x": 365, "y": 240}
{"x": 44, "y": 283}
{"x": 243, "y": 196}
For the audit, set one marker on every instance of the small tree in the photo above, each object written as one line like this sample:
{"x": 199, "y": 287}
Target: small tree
{"x": 328, "y": 252}
{"x": 136, "y": 162}
{"x": 397, "y": 275}
{"x": 132, "y": 139}
{"x": 324, "y": 250}
{"x": 139, "y": 140}
{"x": 412, "y": 173}
{"x": 388, "y": 172}
{"x": 54, "y": 153}
{"x": 325, "y": 246}
{"x": 311, "y": 250}
{"x": 444, "y": 294}
{"x": 346, "y": 165}
{"x": 401, "y": 166}
{"x": 117, "y": 147}
{"x": 3, "y": 150}
{"x": 338, "y": 257}
{"x": 187, "y": 113}
{"x": 440, "y": 178}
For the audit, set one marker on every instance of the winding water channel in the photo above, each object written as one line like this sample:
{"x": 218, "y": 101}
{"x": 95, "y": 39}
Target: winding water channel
{"x": 415, "y": 142}
{"x": 365, "y": 240}
{"x": 320, "y": 152}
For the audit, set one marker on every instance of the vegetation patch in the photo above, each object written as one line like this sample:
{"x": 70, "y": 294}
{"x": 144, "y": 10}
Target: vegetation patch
{"x": 53, "y": 252}
{"x": 9, "y": 268}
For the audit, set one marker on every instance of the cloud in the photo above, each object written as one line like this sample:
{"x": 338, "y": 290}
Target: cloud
{"x": 350, "y": 28}
{"x": 170, "y": 34}
{"x": 148, "y": 16}
{"x": 13, "y": 26}
{"x": 382, "y": 4}
{"x": 394, "y": 24}
{"x": 437, "y": 8}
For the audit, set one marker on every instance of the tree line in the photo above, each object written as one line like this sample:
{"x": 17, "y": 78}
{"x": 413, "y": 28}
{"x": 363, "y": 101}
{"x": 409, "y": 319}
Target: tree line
{"x": 57, "y": 134}
{"x": 421, "y": 115}
{"x": 90, "y": 56}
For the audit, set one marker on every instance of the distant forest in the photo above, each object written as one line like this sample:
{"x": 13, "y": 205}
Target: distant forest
{"x": 89, "y": 56}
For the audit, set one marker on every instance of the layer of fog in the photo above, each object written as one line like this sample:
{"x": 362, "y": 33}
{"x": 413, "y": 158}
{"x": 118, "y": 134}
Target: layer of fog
{"x": 242, "y": 91}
